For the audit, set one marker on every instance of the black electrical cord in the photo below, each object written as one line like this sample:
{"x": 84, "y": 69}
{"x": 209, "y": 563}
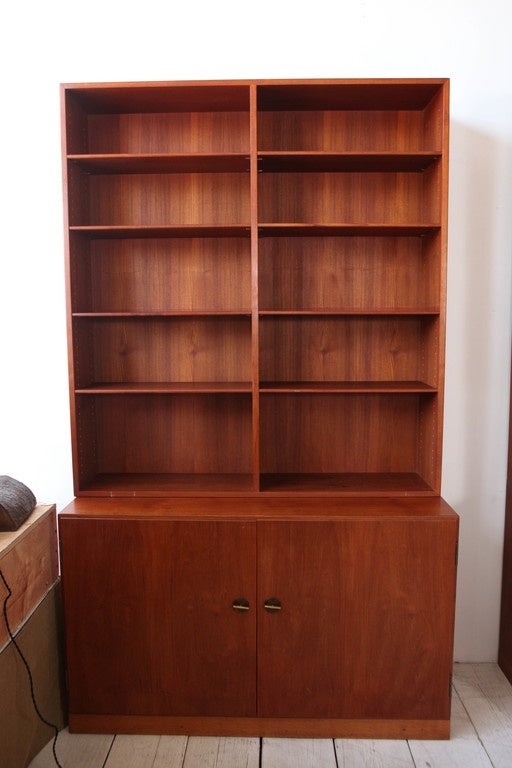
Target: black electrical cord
{"x": 29, "y": 673}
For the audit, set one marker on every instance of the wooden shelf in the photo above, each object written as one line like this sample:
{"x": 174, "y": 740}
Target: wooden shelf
{"x": 384, "y": 312}
{"x": 150, "y": 231}
{"x": 349, "y": 483}
{"x": 267, "y": 229}
{"x": 169, "y": 313}
{"x": 166, "y": 484}
{"x": 345, "y": 161}
{"x": 325, "y": 229}
{"x": 199, "y": 162}
{"x": 346, "y": 483}
{"x": 171, "y": 387}
{"x": 346, "y": 387}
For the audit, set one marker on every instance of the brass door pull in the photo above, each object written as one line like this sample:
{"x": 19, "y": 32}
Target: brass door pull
{"x": 241, "y": 605}
{"x": 272, "y": 605}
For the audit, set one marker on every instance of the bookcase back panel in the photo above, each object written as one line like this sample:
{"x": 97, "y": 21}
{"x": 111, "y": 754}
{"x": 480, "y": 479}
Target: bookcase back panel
{"x": 166, "y": 350}
{"x": 348, "y": 273}
{"x": 339, "y": 433}
{"x": 163, "y": 133}
{"x": 354, "y": 198}
{"x": 344, "y": 349}
{"x": 166, "y": 274}
{"x": 172, "y": 434}
{"x": 165, "y": 199}
{"x": 346, "y": 131}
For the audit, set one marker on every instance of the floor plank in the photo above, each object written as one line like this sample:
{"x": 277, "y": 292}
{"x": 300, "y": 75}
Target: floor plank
{"x": 171, "y": 752}
{"x": 291, "y": 753}
{"x": 222, "y": 752}
{"x": 364, "y": 753}
{"x": 487, "y": 698}
{"x": 480, "y": 680}
{"x": 80, "y": 750}
{"x": 133, "y": 752}
{"x": 462, "y": 750}
{"x": 147, "y": 752}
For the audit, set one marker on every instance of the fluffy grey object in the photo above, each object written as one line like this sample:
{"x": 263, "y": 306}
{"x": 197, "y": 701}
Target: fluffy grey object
{"x": 16, "y": 503}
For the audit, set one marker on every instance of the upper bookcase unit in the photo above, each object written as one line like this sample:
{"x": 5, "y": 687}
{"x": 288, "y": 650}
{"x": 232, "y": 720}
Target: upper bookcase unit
{"x": 256, "y": 284}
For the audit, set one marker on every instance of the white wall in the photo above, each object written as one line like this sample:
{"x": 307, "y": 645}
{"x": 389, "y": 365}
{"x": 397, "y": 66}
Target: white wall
{"x": 44, "y": 43}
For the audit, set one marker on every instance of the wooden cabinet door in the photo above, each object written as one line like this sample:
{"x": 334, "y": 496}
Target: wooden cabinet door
{"x": 366, "y": 621}
{"x": 150, "y": 627}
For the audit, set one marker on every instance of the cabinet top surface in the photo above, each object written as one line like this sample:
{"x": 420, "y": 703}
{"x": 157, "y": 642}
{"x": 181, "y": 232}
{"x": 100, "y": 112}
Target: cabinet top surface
{"x": 233, "y": 508}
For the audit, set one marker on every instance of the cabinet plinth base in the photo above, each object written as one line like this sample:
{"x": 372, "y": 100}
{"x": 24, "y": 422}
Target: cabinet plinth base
{"x": 307, "y": 728}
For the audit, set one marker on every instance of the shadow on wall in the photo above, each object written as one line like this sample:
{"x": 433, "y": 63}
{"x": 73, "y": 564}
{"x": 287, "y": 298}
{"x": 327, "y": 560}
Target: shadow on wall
{"x": 477, "y": 376}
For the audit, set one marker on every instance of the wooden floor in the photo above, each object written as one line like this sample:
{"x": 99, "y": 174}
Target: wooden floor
{"x": 481, "y": 738}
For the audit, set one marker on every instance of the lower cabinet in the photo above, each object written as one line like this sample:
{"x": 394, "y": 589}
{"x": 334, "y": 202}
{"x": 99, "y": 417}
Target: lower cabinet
{"x": 343, "y": 619}
{"x": 150, "y": 627}
{"x": 366, "y": 624}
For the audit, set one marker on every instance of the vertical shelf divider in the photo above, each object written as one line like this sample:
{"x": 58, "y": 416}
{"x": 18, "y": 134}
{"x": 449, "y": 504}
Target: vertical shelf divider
{"x": 253, "y": 115}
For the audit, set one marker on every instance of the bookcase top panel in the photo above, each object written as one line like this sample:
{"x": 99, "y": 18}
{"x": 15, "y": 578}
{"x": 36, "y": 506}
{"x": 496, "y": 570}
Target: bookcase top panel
{"x": 204, "y": 96}
{"x": 118, "y": 98}
{"x": 349, "y": 94}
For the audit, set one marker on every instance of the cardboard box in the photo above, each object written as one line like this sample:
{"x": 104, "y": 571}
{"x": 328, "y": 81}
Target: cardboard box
{"x": 28, "y": 560}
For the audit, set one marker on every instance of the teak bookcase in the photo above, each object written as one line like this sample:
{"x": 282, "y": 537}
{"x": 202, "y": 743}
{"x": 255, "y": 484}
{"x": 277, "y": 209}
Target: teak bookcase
{"x": 256, "y": 290}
